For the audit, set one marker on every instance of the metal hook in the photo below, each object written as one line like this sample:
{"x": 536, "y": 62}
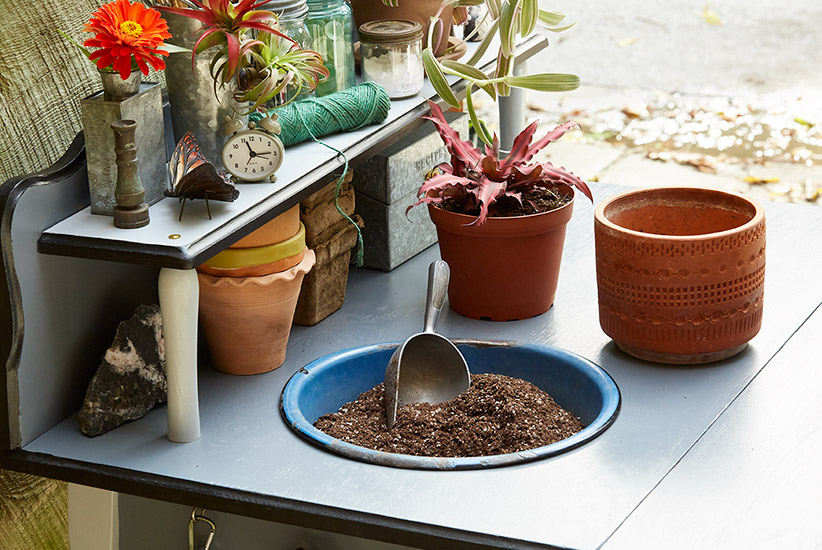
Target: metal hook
{"x": 195, "y": 517}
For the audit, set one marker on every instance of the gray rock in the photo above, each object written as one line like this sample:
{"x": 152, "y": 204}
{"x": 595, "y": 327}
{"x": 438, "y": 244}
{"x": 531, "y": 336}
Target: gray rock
{"x": 131, "y": 378}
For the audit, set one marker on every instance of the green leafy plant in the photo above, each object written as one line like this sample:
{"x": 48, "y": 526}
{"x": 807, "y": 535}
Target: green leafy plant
{"x": 476, "y": 182}
{"x": 508, "y": 19}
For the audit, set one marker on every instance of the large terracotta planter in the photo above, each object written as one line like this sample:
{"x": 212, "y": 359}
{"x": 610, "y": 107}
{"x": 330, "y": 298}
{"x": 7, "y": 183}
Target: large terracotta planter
{"x": 506, "y": 268}
{"x": 247, "y": 320}
{"x": 420, "y": 11}
{"x": 680, "y": 272}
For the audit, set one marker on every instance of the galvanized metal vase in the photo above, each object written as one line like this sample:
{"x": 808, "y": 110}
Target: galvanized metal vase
{"x": 195, "y": 107}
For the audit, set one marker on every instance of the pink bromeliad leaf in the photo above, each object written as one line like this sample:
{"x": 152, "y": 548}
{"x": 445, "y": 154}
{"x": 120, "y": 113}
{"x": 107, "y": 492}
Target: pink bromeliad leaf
{"x": 553, "y": 135}
{"x": 520, "y": 147}
{"x": 486, "y": 193}
{"x": 463, "y": 153}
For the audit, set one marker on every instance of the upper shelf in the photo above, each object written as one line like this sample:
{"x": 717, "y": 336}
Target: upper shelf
{"x": 167, "y": 242}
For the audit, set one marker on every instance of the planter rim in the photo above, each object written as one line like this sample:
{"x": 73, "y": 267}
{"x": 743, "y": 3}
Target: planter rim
{"x": 600, "y": 218}
{"x": 233, "y": 258}
{"x": 564, "y": 211}
{"x": 293, "y": 416}
{"x": 300, "y": 269}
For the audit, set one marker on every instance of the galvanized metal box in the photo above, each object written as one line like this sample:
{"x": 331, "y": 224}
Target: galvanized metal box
{"x": 387, "y": 185}
{"x": 146, "y": 108}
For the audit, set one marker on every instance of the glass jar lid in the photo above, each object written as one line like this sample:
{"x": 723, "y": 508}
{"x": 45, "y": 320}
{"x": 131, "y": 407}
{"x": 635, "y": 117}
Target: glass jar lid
{"x": 390, "y": 30}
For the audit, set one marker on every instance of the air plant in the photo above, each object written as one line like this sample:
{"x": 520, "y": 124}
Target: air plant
{"x": 474, "y": 181}
{"x": 271, "y": 65}
{"x": 224, "y": 25}
{"x": 253, "y": 58}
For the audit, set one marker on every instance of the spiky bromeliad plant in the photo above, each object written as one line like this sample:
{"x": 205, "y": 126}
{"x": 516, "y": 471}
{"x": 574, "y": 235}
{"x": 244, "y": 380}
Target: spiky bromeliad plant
{"x": 477, "y": 183}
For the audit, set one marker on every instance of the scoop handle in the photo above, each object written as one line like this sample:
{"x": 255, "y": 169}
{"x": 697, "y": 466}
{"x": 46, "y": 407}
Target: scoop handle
{"x": 438, "y": 275}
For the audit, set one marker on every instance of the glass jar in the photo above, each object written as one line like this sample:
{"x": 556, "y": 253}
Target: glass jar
{"x": 291, "y": 16}
{"x": 330, "y": 25}
{"x": 392, "y": 55}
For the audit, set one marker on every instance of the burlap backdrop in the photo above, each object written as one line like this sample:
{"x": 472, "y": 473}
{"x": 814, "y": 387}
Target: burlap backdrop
{"x": 42, "y": 79}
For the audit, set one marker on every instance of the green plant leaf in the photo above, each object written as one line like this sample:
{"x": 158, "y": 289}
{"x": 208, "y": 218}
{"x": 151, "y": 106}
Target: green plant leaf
{"x": 494, "y": 8}
{"x": 479, "y": 126}
{"x": 437, "y": 79}
{"x": 507, "y": 27}
{"x": 545, "y": 82}
{"x": 483, "y": 46}
{"x": 470, "y": 73}
{"x": 85, "y": 51}
{"x": 173, "y": 48}
{"x": 505, "y": 68}
{"x": 550, "y": 18}
{"x": 529, "y": 18}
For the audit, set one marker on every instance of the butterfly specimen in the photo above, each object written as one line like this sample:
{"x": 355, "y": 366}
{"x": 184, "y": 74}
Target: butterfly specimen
{"x": 191, "y": 176}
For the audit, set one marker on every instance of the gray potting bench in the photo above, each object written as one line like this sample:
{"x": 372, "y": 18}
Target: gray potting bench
{"x": 717, "y": 456}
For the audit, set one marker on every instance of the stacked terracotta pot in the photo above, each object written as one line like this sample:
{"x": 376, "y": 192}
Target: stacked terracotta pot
{"x": 248, "y": 294}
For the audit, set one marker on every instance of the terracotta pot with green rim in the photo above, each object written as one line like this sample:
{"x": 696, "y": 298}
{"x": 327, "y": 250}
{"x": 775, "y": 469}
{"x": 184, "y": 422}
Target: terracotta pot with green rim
{"x": 680, "y": 272}
{"x": 507, "y": 268}
{"x": 420, "y": 11}
{"x": 247, "y": 320}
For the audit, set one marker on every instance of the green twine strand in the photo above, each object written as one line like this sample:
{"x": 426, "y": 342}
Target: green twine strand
{"x": 349, "y": 109}
{"x": 315, "y": 117}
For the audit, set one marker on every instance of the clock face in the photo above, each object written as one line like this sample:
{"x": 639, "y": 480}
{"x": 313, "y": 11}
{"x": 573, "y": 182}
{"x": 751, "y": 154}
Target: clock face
{"x": 252, "y": 155}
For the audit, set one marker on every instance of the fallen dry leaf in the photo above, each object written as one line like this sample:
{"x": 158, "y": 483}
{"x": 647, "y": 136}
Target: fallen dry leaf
{"x": 710, "y": 16}
{"x": 700, "y": 162}
{"x": 755, "y": 180}
{"x": 627, "y": 41}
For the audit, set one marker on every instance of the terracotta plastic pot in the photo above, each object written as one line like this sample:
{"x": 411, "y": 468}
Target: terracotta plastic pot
{"x": 247, "y": 320}
{"x": 255, "y": 270}
{"x": 281, "y": 228}
{"x": 680, "y": 272}
{"x": 235, "y": 258}
{"x": 506, "y": 268}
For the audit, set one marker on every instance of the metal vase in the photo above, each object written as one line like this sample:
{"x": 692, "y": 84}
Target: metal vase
{"x": 195, "y": 107}
{"x": 118, "y": 89}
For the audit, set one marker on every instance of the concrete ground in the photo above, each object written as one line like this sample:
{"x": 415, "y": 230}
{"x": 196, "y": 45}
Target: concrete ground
{"x": 684, "y": 92}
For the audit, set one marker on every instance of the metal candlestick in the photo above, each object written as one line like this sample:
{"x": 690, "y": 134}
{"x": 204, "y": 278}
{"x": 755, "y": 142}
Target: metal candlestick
{"x": 131, "y": 210}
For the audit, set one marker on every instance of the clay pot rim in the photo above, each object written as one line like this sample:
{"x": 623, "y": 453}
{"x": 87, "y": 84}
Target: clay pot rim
{"x": 568, "y": 190}
{"x": 234, "y": 258}
{"x": 237, "y": 282}
{"x": 600, "y": 218}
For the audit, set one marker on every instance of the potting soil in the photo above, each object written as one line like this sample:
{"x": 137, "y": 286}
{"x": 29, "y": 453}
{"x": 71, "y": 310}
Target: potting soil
{"x": 496, "y": 415}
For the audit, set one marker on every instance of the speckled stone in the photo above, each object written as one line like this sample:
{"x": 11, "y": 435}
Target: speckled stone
{"x": 131, "y": 378}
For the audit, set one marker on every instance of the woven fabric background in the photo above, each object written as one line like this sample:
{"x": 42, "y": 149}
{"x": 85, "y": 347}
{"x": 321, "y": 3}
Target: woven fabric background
{"x": 43, "y": 77}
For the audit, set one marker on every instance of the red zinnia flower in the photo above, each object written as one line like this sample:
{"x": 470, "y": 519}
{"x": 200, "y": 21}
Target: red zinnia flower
{"x": 124, "y": 29}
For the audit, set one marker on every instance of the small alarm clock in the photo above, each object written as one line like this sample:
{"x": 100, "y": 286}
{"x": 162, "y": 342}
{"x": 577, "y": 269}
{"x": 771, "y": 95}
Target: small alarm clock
{"x": 253, "y": 155}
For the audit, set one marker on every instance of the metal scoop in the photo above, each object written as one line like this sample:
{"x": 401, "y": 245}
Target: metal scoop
{"x": 428, "y": 367}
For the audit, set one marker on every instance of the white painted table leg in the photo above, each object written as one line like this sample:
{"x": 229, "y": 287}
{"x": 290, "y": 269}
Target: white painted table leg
{"x": 179, "y": 300}
{"x": 93, "y": 518}
{"x": 512, "y": 112}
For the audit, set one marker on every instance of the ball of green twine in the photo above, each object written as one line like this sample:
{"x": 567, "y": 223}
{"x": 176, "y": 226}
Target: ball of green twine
{"x": 350, "y": 109}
